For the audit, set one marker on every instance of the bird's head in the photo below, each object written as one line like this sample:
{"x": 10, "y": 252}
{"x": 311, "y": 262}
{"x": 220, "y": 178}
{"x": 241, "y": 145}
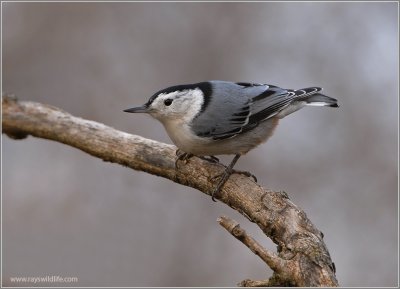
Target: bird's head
{"x": 181, "y": 102}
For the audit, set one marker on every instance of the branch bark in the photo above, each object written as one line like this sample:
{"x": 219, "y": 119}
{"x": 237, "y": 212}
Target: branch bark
{"x": 302, "y": 258}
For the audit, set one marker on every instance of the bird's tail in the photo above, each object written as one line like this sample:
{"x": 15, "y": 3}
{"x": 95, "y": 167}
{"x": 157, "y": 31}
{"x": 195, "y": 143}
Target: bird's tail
{"x": 312, "y": 97}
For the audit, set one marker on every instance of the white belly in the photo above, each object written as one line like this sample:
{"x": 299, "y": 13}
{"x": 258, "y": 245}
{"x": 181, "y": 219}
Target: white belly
{"x": 186, "y": 141}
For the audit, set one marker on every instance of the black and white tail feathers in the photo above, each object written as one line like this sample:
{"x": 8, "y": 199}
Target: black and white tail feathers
{"x": 312, "y": 97}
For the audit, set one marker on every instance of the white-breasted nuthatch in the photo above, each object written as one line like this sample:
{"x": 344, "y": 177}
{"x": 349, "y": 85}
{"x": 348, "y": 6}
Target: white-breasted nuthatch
{"x": 223, "y": 118}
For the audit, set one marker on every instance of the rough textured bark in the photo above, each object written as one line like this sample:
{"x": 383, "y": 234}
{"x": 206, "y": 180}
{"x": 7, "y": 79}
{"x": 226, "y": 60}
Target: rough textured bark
{"x": 302, "y": 259}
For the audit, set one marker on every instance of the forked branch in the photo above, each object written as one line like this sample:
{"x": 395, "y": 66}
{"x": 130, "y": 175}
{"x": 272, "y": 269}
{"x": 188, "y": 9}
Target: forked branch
{"x": 302, "y": 258}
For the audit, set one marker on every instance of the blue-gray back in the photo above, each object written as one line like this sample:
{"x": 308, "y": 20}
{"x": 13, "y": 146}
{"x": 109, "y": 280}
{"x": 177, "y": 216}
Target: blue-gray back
{"x": 239, "y": 107}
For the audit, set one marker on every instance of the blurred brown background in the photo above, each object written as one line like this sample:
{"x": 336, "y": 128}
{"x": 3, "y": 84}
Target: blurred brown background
{"x": 66, "y": 213}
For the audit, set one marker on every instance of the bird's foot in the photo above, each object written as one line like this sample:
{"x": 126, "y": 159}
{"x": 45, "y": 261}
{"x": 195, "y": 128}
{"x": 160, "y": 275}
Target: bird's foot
{"x": 211, "y": 159}
{"x": 245, "y": 173}
{"x": 182, "y": 156}
{"x": 225, "y": 176}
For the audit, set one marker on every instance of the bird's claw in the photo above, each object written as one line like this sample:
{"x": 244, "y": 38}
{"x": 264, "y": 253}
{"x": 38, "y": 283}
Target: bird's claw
{"x": 181, "y": 156}
{"x": 211, "y": 159}
{"x": 247, "y": 174}
{"x": 224, "y": 177}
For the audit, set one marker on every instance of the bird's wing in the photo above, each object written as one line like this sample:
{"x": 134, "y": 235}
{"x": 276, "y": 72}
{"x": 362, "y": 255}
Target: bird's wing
{"x": 240, "y": 107}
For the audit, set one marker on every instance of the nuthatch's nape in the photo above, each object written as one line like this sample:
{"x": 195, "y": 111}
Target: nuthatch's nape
{"x": 222, "y": 118}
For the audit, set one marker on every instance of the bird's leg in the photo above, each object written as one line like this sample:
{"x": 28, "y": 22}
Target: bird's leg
{"x": 228, "y": 171}
{"x": 181, "y": 156}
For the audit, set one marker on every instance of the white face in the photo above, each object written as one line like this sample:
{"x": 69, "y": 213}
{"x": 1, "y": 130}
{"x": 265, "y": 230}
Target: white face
{"x": 178, "y": 105}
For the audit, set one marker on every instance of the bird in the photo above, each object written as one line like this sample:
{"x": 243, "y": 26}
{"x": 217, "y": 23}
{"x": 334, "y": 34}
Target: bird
{"x": 218, "y": 117}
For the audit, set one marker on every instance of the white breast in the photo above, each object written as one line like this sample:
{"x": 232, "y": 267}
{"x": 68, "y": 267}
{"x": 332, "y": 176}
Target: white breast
{"x": 185, "y": 140}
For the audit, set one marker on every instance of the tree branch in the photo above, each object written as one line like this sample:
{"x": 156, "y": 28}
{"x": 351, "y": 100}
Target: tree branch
{"x": 302, "y": 259}
{"x": 270, "y": 258}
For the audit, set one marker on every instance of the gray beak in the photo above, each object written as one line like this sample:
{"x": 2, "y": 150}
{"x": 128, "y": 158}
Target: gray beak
{"x": 139, "y": 109}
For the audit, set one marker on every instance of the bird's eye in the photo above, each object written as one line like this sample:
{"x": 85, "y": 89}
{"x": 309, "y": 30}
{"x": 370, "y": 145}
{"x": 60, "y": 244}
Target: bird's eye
{"x": 168, "y": 102}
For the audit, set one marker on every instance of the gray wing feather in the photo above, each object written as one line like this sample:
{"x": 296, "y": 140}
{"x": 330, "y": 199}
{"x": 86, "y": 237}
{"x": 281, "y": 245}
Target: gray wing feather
{"x": 239, "y": 107}
{"x": 269, "y": 103}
